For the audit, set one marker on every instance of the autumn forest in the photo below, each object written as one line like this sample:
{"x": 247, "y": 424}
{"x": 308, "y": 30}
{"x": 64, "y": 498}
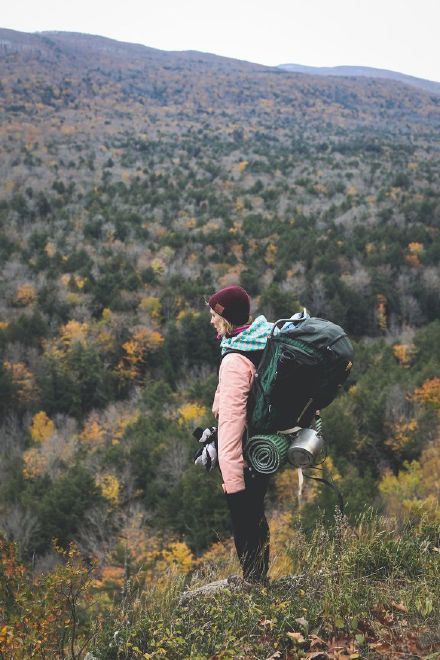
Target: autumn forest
{"x": 133, "y": 183}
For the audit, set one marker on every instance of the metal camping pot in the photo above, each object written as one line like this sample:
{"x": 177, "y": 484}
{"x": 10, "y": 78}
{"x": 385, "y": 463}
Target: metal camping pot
{"x": 306, "y": 448}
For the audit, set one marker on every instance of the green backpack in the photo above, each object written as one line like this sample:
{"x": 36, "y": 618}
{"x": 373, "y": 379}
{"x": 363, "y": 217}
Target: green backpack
{"x": 301, "y": 371}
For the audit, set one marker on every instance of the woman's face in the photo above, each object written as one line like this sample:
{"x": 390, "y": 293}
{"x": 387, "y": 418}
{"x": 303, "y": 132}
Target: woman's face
{"x": 217, "y": 322}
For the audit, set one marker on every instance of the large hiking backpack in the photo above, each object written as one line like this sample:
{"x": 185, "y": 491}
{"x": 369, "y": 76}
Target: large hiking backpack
{"x": 301, "y": 370}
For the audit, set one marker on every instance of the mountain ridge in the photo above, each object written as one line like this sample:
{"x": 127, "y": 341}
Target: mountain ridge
{"x": 14, "y": 40}
{"x": 363, "y": 71}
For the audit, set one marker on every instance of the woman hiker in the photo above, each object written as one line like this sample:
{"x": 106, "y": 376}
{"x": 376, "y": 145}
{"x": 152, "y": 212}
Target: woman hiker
{"x": 244, "y": 488}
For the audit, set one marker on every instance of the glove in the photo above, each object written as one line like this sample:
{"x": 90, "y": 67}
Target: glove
{"x": 206, "y": 455}
{"x": 205, "y": 435}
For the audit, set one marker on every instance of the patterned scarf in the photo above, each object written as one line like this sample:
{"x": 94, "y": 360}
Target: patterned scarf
{"x": 252, "y": 338}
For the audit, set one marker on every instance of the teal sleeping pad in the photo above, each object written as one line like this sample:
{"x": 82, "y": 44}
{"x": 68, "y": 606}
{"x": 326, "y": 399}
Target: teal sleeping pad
{"x": 266, "y": 453}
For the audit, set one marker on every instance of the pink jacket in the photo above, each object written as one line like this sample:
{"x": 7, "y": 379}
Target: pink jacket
{"x": 235, "y": 381}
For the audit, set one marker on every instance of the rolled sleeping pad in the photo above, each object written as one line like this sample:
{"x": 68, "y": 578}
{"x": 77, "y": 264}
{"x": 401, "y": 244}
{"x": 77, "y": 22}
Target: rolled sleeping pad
{"x": 266, "y": 453}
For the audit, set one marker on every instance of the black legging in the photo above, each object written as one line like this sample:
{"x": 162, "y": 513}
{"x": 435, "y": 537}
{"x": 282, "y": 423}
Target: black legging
{"x": 249, "y": 526}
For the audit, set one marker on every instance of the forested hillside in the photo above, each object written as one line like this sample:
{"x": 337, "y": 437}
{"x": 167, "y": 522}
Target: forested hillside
{"x": 133, "y": 183}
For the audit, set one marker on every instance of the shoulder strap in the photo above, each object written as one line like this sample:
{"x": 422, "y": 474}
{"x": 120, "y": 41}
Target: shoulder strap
{"x": 252, "y": 356}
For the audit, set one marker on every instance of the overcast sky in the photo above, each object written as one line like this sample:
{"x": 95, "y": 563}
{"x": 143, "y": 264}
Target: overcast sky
{"x": 402, "y": 35}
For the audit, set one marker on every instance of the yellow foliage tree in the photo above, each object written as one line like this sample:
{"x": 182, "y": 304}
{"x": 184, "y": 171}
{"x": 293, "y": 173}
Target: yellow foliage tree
{"x": 109, "y": 486}
{"x": 404, "y": 353}
{"x": 152, "y": 306}
{"x": 415, "y": 248}
{"x": 73, "y": 332}
{"x": 73, "y": 298}
{"x": 178, "y": 557}
{"x": 182, "y": 314}
{"x": 271, "y": 254}
{"x": 42, "y": 427}
{"x": 415, "y": 491}
{"x": 191, "y": 413}
{"x": 220, "y": 555}
{"x": 106, "y": 314}
{"x": 158, "y": 266}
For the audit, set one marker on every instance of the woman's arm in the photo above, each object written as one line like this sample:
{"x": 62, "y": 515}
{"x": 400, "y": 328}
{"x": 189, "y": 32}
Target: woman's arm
{"x": 235, "y": 381}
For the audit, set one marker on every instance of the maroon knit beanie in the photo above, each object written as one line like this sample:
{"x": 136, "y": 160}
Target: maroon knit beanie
{"x": 232, "y": 304}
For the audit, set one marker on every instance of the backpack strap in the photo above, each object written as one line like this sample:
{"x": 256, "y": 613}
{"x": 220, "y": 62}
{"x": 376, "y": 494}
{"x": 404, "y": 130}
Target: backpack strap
{"x": 252, "y": 356}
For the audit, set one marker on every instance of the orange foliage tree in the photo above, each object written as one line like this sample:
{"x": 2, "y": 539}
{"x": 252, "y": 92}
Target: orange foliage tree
{"x": 136, "y": 349}
{"x": 25, "y": 294}
{"x": 429, "y": 393}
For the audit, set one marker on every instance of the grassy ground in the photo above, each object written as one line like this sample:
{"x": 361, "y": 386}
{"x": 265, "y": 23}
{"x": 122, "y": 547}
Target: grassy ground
{"x": 367, "y": 592}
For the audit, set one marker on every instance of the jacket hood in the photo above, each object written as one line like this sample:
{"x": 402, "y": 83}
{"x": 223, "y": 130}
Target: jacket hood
{"x": 254, "y": 338}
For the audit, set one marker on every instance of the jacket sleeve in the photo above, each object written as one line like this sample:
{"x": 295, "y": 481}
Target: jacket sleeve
{"x": 235, "y": 381}
{"x": 216, "y": 402}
